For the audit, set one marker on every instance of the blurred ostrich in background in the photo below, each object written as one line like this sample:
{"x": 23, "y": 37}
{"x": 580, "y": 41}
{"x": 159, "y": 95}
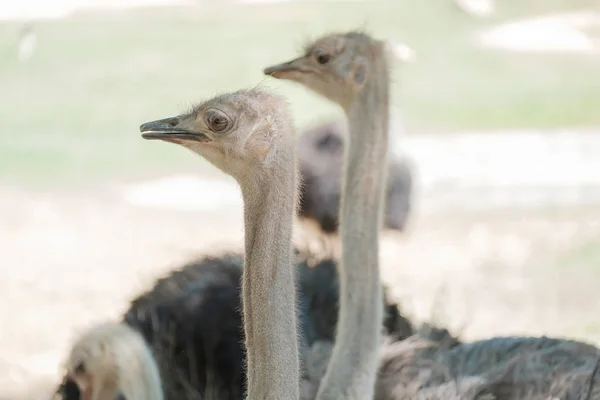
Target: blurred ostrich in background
{"x": 321, "y": 155}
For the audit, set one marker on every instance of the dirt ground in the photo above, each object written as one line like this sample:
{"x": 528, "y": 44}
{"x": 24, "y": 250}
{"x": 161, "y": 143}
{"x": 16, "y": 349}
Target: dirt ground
{"x": 75, "y": 257}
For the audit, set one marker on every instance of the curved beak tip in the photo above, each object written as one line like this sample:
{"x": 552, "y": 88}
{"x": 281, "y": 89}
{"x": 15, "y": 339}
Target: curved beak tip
{"x": 269, "y": 71}
{"x": 148, "y": 126}
{"x": 277, "y": 70}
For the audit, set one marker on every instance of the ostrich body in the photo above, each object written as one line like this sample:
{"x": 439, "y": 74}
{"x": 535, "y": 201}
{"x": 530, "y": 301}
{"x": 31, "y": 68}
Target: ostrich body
{"x": 321, "y": 156}
{"x": 192, "y": 321}
{"x": 500, "y": 368}
{"x": 351, "y": 70}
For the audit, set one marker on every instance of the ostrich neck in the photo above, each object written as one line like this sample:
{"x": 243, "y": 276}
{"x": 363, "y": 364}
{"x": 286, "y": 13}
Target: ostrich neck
{"x": 353, "y": 366}
{"x": 268, "y": 288}
{"x": 148, "y": 385}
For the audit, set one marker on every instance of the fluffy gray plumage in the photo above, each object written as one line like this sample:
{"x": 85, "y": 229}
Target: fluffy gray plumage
{"x": 501, "y": 368}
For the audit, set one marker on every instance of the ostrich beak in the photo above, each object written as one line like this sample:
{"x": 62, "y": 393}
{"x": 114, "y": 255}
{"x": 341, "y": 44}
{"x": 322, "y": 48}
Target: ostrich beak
{"x": 282, "y": 71}
{"x": 170, "y": 130}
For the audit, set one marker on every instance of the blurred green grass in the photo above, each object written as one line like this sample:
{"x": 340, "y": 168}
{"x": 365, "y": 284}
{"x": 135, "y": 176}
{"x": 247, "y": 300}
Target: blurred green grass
{"x": 72, "y": 112}
{"x": 586, "y": 255}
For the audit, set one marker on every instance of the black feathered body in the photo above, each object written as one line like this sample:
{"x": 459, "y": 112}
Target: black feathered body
{"x": 192, "y": 320}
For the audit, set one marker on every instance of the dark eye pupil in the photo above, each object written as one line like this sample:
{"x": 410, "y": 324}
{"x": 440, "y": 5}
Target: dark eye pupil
{"x": 323, "y": 58}
{"x": 218, "y": 123}
{"x": 80, "y": 368}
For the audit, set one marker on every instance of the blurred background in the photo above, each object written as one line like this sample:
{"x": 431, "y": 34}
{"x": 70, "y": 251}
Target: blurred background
{"x": 496, "y": 106}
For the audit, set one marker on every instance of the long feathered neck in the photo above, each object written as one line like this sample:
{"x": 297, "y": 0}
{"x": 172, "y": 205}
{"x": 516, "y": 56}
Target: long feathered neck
{"x": 268, "y": 288}
{"x": 147, "y": 383}
{"x": 134, "y": 372}
{"x": 352, "y": 370}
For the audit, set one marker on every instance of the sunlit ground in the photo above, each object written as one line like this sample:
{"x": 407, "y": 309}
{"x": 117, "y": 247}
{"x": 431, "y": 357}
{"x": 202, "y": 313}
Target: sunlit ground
{"x": 77, "y": 244}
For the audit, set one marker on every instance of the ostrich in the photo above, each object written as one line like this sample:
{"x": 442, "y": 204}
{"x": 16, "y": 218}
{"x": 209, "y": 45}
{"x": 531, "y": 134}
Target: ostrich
{"x": 88, "y": 362}
{"x": 249, "y": 135}
{"x": 351, "y": 69}
{"x": 320, "y": 152}
{"x": 205, "y": 359}
{"x": 191, "y": 319}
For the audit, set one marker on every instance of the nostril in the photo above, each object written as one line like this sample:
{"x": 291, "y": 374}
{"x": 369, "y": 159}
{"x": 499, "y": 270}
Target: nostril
{"x": 173, "y": 122}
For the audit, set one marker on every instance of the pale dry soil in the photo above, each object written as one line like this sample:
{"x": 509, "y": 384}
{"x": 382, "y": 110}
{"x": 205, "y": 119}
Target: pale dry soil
{"x": 74, "y": 257}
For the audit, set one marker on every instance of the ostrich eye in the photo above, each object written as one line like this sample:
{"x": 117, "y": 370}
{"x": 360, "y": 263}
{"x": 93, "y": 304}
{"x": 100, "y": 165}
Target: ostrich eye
{"x": 79, "y": 369}
{"x": 216, "y": 120}
{"x": 322, "y": 57}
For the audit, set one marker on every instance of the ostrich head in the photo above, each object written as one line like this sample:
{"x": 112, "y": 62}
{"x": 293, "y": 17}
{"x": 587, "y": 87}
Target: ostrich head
{"x": 111, "y": 360}
{"x": 337, "y": 66}
{"x": 237, "y": 132}
{"x": 93, "y": 368}
{"x": 249, "y": 135}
